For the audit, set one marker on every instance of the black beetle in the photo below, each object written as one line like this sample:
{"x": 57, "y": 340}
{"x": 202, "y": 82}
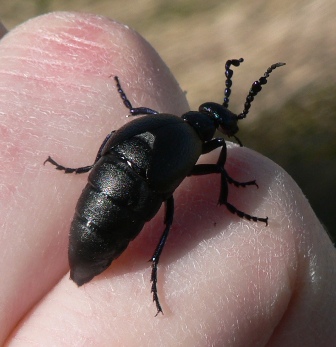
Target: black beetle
{"x": 138, "y": 167}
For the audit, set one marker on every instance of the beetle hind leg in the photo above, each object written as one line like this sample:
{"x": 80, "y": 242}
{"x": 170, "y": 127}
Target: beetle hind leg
{"x": 156, "y": 256}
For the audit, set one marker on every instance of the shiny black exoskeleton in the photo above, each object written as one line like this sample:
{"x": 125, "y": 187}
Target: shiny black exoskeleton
{"x": 138, "y": 167}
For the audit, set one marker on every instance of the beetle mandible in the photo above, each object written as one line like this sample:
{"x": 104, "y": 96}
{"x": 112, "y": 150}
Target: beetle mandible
{"x": 138, "y": 167}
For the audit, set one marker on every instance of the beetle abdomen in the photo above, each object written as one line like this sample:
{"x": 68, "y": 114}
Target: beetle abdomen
{"x": 111, "y": 211}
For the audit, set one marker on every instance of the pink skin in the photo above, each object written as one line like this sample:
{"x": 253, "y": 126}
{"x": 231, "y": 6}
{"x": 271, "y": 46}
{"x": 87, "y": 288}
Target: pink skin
{"x": 223, "y": 281}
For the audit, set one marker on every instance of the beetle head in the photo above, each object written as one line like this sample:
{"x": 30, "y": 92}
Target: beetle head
{"x": 225, "y": 121}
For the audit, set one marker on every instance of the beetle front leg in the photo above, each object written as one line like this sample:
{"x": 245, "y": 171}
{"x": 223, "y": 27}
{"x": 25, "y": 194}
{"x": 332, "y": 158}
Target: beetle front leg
{"x": 209, "y": 147}
{"x": 156, "y": 256}
{"x": 221, "y": 162}
{"x": 205, "y": 169}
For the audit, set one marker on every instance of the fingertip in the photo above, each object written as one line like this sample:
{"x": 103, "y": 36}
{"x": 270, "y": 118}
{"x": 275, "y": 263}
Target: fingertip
{"x": 59, "y": 100}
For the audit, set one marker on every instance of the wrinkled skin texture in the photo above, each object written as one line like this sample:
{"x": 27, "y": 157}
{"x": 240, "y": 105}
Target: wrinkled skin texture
{"x": 223, "y": 281}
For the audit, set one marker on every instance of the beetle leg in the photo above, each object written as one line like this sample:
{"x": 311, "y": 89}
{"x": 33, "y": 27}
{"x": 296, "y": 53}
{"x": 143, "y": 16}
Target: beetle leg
{"x": 221, "y": 162}
{"x": 83, "y": 169}
{"x": 156, "y": 256}
{"x": 134, "y": 111}
{"x": 211, "y": 145}
{"x": 242, "y": 214}
{"x": 205, "y": 169}
{"x": 77, "y": 170}
{"x": 230, "y": 180}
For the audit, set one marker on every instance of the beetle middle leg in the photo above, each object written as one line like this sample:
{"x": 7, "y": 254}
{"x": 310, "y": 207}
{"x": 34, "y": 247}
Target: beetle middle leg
{"x": 82, "y": 169}
{"x": 205, "y": 169}
{"x": 156, "y": 256}
{"x": 77, "y": 170}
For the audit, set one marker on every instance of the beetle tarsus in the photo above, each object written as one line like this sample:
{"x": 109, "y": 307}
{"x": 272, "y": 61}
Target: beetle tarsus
{"x": 240, "y": 184}
{"x": 67, "y": 170}
{"x": 242, "y": 214}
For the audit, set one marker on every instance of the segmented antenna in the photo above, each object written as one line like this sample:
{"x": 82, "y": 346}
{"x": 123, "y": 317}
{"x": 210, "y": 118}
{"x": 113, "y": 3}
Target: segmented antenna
{"x": 228, "y": 82}
{"x": 256, "y": 88}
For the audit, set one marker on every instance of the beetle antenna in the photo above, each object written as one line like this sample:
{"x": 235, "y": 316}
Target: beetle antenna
{"x": 228, "y": 82}
{"x": 256, "y": 88}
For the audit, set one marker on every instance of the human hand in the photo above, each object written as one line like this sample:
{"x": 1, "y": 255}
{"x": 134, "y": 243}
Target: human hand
{"x": 223, "y": 281}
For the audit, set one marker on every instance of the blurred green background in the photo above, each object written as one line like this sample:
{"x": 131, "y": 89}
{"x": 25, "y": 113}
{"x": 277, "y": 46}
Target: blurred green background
{"x": 293, "y": 121}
